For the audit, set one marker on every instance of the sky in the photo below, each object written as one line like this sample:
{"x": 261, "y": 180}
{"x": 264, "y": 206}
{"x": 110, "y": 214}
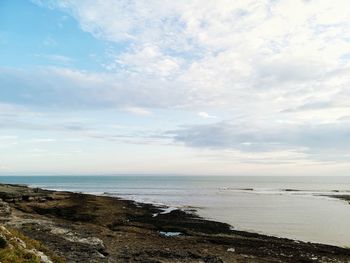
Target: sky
{"x": 214, "y": 87}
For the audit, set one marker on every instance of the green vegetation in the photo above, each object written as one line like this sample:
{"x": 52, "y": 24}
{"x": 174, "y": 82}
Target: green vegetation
{"x": 18, "y": 248}
{"x": 3, "y": 242}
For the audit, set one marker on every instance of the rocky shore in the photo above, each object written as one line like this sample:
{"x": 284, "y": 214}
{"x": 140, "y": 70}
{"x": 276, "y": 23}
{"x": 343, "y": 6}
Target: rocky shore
{"x": 341, "y": 197}
{"x": 71, "y": 227}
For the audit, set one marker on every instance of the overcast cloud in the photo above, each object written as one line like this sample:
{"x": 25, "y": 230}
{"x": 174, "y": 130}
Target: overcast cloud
{"x": 265, "y": 76}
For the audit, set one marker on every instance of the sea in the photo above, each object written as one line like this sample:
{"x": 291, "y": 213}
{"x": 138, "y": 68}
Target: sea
{"x": 292, "y": 207}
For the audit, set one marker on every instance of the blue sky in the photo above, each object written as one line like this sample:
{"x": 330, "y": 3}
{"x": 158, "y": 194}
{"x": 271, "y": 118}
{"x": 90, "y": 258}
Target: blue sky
{"x": 186, "y": 87}
{"x": 33, "y": 37}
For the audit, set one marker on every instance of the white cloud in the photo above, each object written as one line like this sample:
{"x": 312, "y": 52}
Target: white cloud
{"x": 42, "y": 140}
{"x": 148, "y": 60}
{"x": 231, "y": 54}
{"x": 58, "y": 58}
{"x": 269, "y": 65}
{"x": 206, "y": 115}
{"x": 138, "y": 111}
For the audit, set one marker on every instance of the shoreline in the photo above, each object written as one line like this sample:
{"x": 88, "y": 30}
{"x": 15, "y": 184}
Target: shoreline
{"x": 93, "y": 228}
{"x": 340, "y": 197}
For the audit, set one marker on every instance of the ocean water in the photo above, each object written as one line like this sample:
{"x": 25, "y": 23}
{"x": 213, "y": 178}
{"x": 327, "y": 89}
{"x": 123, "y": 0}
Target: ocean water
{"x": 292, "y": 207}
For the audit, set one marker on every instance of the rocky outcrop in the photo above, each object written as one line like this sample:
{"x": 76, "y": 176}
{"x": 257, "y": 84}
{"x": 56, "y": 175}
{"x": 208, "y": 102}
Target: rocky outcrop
{"x": 341, "y": 197}
{"x": 14, "y": 193}
{"x": 5, "y": 210}
{"x": 16, "y": 248}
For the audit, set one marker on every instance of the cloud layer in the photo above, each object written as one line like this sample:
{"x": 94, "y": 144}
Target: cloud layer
{"x": 278, "y": 55}
{"x": 264, "y": 76}
{"x": 318, "y": 142}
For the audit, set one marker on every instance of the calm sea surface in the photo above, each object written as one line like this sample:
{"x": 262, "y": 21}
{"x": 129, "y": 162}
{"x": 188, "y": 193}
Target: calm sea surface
{"x": 290, "y": 207}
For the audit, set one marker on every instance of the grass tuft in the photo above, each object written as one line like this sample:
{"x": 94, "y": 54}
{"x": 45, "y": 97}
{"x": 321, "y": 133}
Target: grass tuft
{"x": 12, "y": 251}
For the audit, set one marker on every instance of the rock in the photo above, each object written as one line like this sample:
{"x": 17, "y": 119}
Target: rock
{"x": 42, "y": 199}
{"x": 43, "y": 258}
{"x": 4, "y": 230}
{"x": 93, "y": 242}
{"x": 30, "y": 198}
{"x": 5, "y": 209}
